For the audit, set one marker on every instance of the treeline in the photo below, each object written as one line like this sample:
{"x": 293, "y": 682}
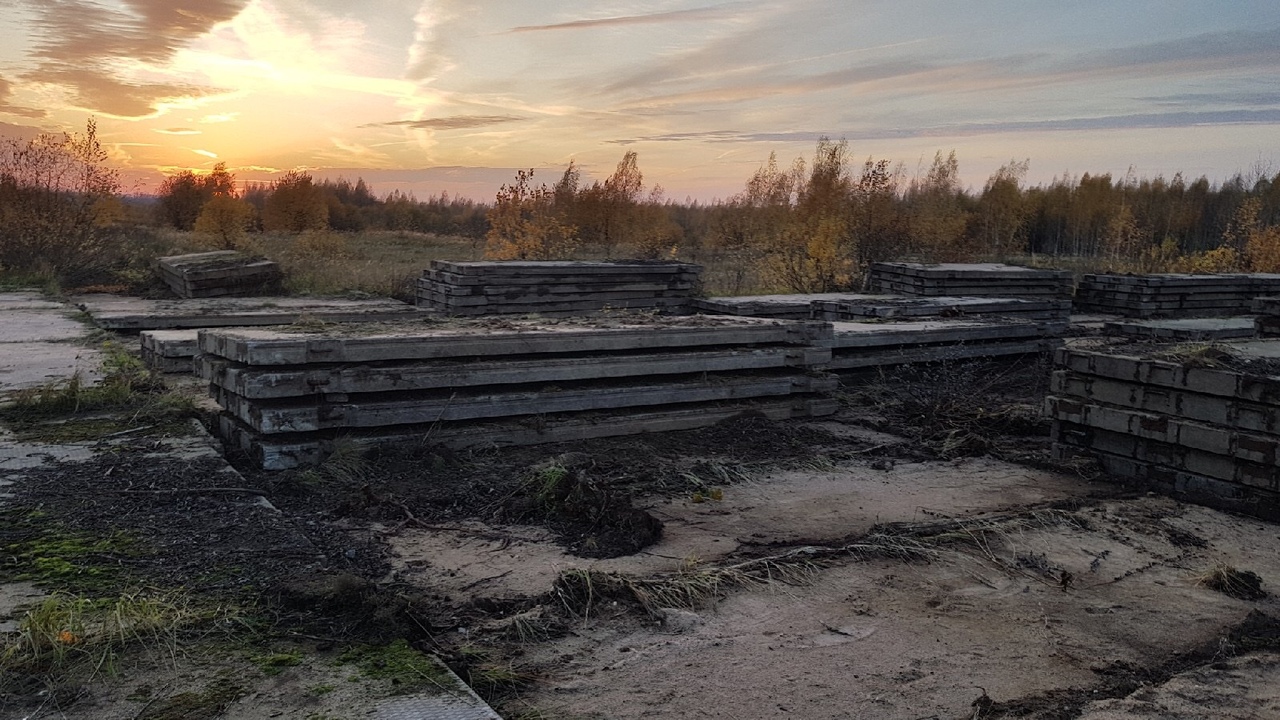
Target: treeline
{"x": 296, "y": 202}
{"x": 814, "y": 225}
{"x": 809, "y": 225}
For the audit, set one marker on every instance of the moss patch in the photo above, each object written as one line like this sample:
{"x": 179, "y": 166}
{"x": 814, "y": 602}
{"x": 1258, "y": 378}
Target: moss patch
{"x": 406, "y": 670}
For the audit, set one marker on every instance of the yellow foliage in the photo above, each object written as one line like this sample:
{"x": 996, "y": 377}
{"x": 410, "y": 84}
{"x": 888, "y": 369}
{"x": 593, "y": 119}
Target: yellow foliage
{"x": 524, "y": 225}
{"x": 1263, "y": 249}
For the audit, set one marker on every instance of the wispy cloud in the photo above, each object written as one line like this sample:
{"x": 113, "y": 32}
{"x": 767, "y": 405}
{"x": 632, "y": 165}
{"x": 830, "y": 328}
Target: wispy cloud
{"x": 219, "y": 118}
{"x": 178, "y": 131}
{"x": 715, "y": 12}
{"x": 455, "y": 122}
{"x": 206, "y": 153}
{"x": 87, "y": 47}
{"x": 6, "y": 89}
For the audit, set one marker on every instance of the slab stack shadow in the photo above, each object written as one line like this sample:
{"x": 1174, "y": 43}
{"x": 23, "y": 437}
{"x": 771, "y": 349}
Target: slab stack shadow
{"x": 1174, "y": 295}
{"x": 555, "y": 287}
{"x": 218, "y": 274}
{"x": 1207, "y": 434}
{"x": 860, "y": 346}
{"x": 288, "y": 397}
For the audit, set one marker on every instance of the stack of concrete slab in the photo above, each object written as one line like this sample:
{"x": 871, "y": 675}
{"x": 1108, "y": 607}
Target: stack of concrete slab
{"x": 1174, "y": 295}
{"x": 219, "y": 274}
{"x": 1207, "y": 433}
{"x": 858, "y": 346}
{"x": 289, "y": 396}
{"x": 869, "y": 307}
{"x": 969, "y": 279}
{"x": 169, "y": 351}
{"x": 1267, "y": 322}
{"x": 169, "y": 326}
{"x": 1185, "y": 329}
{"x": 784, "y": 307}
{"x": 555, "y": 288}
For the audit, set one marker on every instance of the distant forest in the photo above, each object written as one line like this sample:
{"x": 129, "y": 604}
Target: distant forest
{"x": 808, "y": 225}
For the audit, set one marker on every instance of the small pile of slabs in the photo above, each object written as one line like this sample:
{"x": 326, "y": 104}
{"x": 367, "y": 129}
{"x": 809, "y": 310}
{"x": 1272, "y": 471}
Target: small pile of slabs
{"x": 868, "y": 307}
{"x": 1210, "y": 434}
{"x": 969, "y": 279}
{"x": 555, "y": 288}
{"x": 289, "y": 396}
{"x": 219, "y": 274}
{"x": 858, "y": 346}
{"x": 1174, "y": 295}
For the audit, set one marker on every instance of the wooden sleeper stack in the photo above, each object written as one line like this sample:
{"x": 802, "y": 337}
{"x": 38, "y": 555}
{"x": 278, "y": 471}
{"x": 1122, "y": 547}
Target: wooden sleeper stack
{"x": 555, "y": 287}
{"x": 289, "y": 396}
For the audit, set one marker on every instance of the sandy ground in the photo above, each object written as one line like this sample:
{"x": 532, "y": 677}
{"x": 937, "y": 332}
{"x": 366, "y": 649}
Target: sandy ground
{"x": 885, "y": 638}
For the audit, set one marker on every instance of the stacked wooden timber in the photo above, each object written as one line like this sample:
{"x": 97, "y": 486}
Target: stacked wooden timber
{"x": 858, "y": 346}
{"x": 218, "y": 274}
{"x": 1174, "y": 295}
{"x": 288, "y": 396}
{"x": 969, "y": 279}
{"x": 1185, "y": 329}
{"x": 867, "y": 307}
{"x": 1209, "y": 434}
{"x": 554, "y": 288}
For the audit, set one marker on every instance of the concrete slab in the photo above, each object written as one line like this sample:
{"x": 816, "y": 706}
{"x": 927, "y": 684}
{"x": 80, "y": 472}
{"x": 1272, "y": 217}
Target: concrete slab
{"x": 1223, "y": 328}
{"x": 115, "y": 312}
{"x": 38, "y": 344}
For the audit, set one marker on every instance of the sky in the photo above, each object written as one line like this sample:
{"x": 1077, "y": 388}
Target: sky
{"x": 455, "y": 95}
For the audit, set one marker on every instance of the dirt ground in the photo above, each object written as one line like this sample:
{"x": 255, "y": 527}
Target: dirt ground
{"x": 915, "y": 556}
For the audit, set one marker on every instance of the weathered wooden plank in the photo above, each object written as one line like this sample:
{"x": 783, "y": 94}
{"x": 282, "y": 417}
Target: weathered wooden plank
{"x": 271, "y": 417}
{"x": 270, "y": 382}
{"x": 264, "y": 347}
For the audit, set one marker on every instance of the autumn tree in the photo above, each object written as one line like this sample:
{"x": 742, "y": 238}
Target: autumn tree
{"x": 606, "y": 212}
{"x": 1002, "y": 211}
{"x": 878, "y": 223}
{"x": 225, "y": 218}
{"x": 295, "y": 204}
{"x": 183, "y": 195}
{"x": 57, "y": 201}
{"x": 524, "y": 223}
{"x": 938, "y": 218}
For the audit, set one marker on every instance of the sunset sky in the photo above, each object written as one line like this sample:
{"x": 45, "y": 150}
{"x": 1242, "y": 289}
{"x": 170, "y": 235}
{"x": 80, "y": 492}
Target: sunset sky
{"x": 431, "y": 95}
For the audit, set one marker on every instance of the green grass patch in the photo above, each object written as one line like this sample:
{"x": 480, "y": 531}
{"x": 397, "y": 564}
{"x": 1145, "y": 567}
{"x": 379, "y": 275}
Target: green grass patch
{"x": 272, "y": 664}
{"x": 33, "y": 548}
{"x": 406, "y": 670}
{"x": 126, "y": 385}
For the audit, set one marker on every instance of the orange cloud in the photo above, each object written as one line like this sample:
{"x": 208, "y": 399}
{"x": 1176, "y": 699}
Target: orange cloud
{"x": 84, "y": 47}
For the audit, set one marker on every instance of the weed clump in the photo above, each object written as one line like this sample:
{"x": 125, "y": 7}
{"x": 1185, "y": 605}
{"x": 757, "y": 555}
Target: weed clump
{"x": 1233, "y": 582}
